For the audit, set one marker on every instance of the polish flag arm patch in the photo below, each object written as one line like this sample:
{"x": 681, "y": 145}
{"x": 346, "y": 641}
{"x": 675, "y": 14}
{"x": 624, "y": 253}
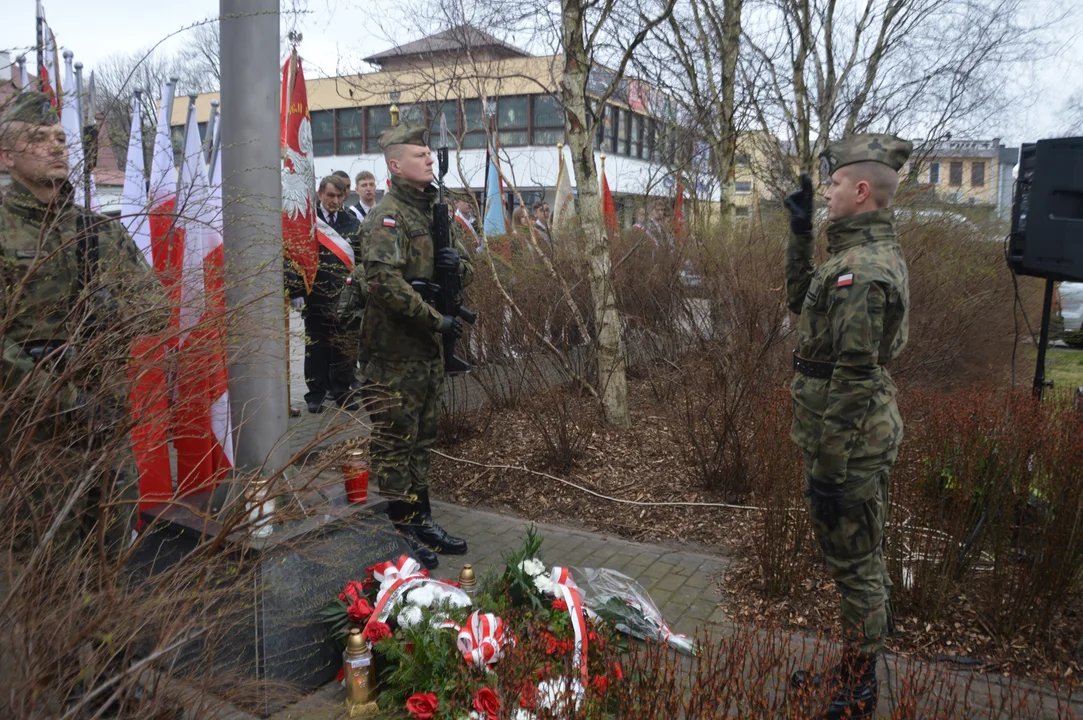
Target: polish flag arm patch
{"x": 845, "y": 280}
{"x": 389, "y": 222}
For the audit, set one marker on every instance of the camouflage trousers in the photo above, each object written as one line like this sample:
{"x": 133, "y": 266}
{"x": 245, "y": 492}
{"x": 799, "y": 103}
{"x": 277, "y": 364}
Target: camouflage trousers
{"x": 402, "y": 399}
{"x": 854, "y": 551}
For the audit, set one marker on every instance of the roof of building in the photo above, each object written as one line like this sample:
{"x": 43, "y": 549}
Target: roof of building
{"x": 456, "y": 38}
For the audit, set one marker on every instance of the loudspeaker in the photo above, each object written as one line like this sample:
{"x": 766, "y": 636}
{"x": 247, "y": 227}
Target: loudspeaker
{"x": 1047, "y": 211}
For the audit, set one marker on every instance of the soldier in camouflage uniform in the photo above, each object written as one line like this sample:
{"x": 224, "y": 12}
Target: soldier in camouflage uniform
{"x": 70, "y": 277}
{"x": 853, "y": 320}
{"x": 402, "y": 337}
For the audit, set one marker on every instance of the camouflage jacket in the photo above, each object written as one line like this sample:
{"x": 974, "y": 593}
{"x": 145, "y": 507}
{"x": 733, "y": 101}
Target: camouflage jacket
{"x": 853, "y": 311}
{"x": 44, "y": 297}
{"x": 396, "y": 247}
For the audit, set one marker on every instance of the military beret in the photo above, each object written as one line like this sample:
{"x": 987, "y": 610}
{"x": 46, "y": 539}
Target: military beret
{"x": 404, "y": 134}
{"x": 31, "y": 107}
{"x": 870, "y": 147}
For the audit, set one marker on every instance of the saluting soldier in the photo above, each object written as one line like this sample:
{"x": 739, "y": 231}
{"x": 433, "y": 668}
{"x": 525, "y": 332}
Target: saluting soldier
{"x": 74, "y": 285}
{"x": 402, "y": 338}
{"x": 853, "y": 321}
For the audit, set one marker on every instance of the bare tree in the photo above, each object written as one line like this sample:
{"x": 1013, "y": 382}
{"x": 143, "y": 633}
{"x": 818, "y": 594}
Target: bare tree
{"x": 821, "y": 68}
{"x": 590, "y": 30}
{"x": 1072, "y": 115}
{"x": 198, "y": 58}
{"x": 695, "y": 56}
{"x": 118, "y": 77}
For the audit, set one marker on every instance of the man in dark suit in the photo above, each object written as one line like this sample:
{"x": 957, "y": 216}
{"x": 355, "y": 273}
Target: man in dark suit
{"x": 330, "y": 352}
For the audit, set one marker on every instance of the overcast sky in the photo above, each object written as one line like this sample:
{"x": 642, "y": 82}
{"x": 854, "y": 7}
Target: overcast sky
{"x": 338, "y": 34}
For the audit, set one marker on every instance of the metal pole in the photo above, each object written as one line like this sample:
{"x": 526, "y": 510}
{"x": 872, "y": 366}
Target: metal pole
{"x": 208, "y": 136}
{"x": 41, "y": 45}
{"x": 1043, "y": 341}
{"x": 216, "y": 138}
{"x": 79, "y": 113}
{"x": 252, "y": 215}
{"x": 21, "y": 62}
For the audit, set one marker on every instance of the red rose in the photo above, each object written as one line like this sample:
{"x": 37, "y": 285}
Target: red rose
{"x": 601, "y": 683}
{"x": 421, "y": 705}
{"x": 487, "y": 703}
{"x": 551, "y": 644}
{"x": 617, "y": 672}
{"x": 359, "y": 611}
{"x": 376, "y": 631}
{"x": 354, "y": 591}
{"x": 559, "y": 604}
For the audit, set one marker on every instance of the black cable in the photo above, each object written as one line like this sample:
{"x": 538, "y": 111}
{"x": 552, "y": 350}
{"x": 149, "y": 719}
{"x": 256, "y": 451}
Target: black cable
{"x": 1017, "y": 306}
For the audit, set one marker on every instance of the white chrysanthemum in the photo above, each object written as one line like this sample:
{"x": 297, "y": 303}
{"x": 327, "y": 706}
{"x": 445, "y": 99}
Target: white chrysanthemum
{"x": 423, "y": 596}
{"x": 410, "y": 616}
{"x": 532, "y": 567}
{"x": 554, "y": 695}
{"x": 521, "y": 714}
{"x": 545, "y": 585}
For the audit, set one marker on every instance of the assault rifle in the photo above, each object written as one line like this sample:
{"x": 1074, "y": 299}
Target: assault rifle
{"x": 446, "y": 287}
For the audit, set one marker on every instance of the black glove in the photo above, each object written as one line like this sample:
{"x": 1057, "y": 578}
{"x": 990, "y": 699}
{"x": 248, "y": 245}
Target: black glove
{"x": 452, "y": 326}
{"x": 799, "y": 204}
{"x": 826, "y": 499}
{"x": 446, "y": 259}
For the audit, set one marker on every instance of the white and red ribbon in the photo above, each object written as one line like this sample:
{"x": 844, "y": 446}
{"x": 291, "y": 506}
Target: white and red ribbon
{"x": 394, "y": 578}
{"x": 565, "y": 587}
{"x": 483, "y": 638}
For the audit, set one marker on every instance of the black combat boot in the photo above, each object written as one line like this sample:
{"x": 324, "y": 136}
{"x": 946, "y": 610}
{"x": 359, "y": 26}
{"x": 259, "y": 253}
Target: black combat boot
{"x": 432, "y": 534}
{"x": 853, "y": 682}
{"x": 404, "y": 518}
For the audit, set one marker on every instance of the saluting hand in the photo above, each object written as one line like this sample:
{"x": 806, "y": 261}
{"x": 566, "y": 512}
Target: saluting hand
{"x": 799, "y": 203}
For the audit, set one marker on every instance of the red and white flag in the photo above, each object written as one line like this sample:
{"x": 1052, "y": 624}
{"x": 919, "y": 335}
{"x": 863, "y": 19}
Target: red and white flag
{"x": 49, "y": 68}
{"x": 133, "y": 198}
{"x": 202, "y": 435}
{"x": 166, "y": 237}
{"x": 300, "y": 243}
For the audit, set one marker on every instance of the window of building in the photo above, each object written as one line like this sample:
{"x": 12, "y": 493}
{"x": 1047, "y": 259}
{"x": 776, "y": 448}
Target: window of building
{"x": 649, "y": 150}
{"x": 623, "y": 134}
{"x": 612, "y": 120}
{"x": 955, "y": 173}
{"x": 413, "y": 114}
{"x": 742, "y": 187}
{"x": 378, "y": 119}
{"x": 741, "y": 159}
{"x": 934, "y": 173}
{"x": 323, "y": 133}
{"x": 474, "y": 122}
{"x": 637, "y": 136}
{"x": 977, "y": 174}
{"x": 741, "y": 211}
{"x": 349, "y": 133}
{"x": 548, "y": 120}
{"x": 512, "y": 120}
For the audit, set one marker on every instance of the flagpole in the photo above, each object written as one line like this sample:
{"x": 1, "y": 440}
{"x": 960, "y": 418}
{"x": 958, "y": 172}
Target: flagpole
{"x": 252, "y": 228}
{"x": 208, "y": 138}
{"x": 216, "y": 138}
{"x": 40, "y": 44}
{"x": 79, "y": 116}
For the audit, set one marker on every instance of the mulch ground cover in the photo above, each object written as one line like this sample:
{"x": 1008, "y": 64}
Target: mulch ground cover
{"x": 645, "y": 464}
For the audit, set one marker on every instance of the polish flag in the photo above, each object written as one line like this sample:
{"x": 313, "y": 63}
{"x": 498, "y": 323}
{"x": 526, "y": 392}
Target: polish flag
{"x": 166, "y": 236}
{"x": 202, "y": 434}
{"x": 133, "y": 198}
{"x": 300, "y": 242}
{"x": 49, "y": 69}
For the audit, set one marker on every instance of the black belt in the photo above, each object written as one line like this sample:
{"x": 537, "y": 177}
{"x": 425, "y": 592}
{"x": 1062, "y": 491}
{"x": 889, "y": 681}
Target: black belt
{"x": 813, "y": 368}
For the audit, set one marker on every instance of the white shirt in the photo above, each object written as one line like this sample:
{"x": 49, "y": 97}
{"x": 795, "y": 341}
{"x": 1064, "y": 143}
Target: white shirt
{"x": 361, "y": 210}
